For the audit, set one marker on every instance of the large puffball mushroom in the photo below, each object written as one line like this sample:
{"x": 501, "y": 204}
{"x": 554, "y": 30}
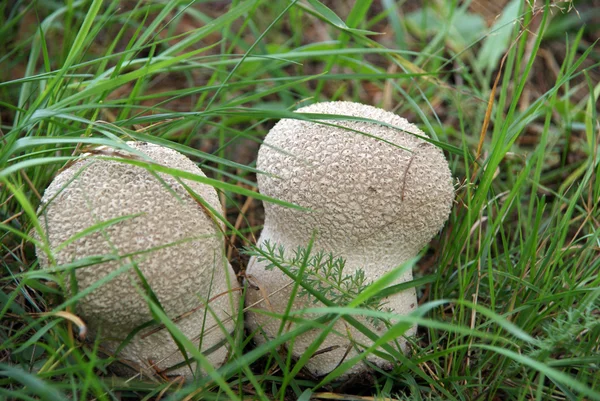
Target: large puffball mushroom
{"x": 376, "y": 196}
{"x": 165, "y": 232}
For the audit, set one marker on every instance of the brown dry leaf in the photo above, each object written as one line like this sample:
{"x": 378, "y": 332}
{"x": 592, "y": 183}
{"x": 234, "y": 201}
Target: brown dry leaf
{"x": 76, "y": 320}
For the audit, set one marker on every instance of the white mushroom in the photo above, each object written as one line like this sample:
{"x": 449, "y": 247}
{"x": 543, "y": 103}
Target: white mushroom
{"x": 166, "y": 233}
{"x": 372, "y": 203}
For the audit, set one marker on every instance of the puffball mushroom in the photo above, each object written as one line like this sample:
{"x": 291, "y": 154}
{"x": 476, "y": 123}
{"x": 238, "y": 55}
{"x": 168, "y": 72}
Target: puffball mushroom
{"x": 375, "y": 200}
{"x": 165, "y": 232}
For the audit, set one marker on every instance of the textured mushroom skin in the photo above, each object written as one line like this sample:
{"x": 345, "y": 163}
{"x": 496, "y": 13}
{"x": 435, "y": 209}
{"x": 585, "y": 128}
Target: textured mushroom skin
{"x": 372, "y": 203}
{"x": 174, "y": 242}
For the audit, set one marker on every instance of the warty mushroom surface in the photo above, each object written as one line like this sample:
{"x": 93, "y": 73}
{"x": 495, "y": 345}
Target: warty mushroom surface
{"x": 173, "y": 240}
{"x": 376, "y": 194}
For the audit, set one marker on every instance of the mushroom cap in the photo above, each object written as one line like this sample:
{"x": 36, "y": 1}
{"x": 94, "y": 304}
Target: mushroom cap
{"x": 174, "y": 241}
{"x": 376, "y": 195}
{"x": 363, "y": 191}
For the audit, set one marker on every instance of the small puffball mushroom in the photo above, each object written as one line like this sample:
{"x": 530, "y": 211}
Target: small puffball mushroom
{"x": 374, "y": 204}
{"x": 165, "y": 232}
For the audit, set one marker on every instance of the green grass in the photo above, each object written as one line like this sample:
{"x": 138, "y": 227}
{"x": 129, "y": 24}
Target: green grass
{"x": 509, "y": 291}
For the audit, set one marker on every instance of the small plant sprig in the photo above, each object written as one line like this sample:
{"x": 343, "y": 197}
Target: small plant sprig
{"x": 323, "y": 272}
